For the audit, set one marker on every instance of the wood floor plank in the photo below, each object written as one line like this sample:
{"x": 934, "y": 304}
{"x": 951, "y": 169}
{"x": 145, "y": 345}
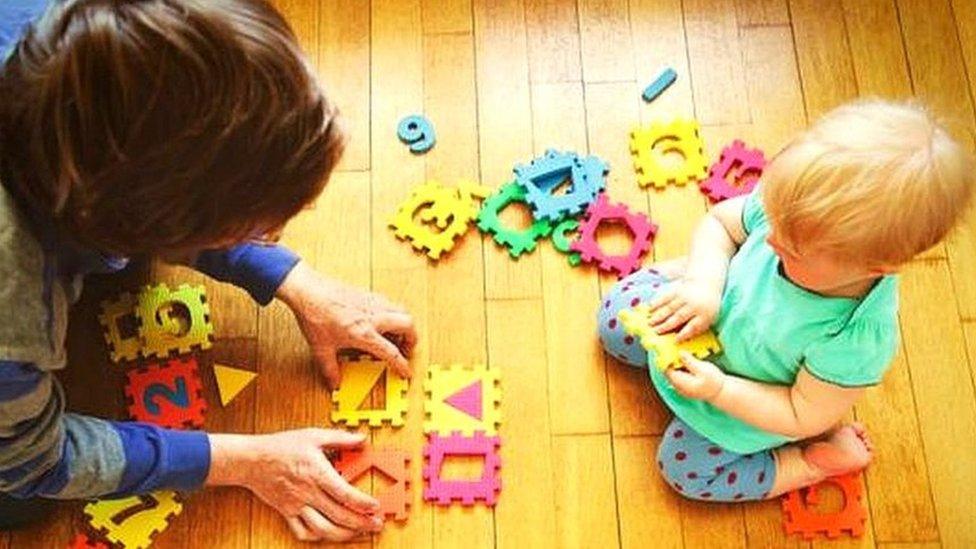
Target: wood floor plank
{"x": 605, "y": 41}
{"x": 946, "y": 403}
{"x": 712, "y": 524}
{"x": 658, "y": 36}
{"x": 716, "y": 62}
{"x": 517, "y": 346}
{"x": 964, "y": 12}
{"x": 553, "y": 39}
{"x": 969, "y": 327}
{"x": 649, "y": 509}
{"x": 823, "y": 55}
{"x": 764, "y": 526}
{"x": 775, "y": 93}
{"x": 753, "y": 13}
{"x": 445, "y": 16}
{"x": 586, "y": 510}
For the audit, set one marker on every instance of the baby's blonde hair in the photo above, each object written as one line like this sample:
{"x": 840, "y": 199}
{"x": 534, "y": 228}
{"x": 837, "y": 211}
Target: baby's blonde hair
{"x": 872, "y": 183}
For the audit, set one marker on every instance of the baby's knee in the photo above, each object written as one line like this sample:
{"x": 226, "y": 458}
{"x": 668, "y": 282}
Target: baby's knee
{"x": 638, "y": 288}
{"x": 672, "y": 460}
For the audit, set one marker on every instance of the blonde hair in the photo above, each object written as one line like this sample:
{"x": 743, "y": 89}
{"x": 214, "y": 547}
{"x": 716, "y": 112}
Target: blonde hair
{"x": 872, "y": 183}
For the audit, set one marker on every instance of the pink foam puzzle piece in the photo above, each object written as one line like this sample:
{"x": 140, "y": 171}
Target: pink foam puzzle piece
{"x": 443, "y": 491}
{"x": 468, "y": 400}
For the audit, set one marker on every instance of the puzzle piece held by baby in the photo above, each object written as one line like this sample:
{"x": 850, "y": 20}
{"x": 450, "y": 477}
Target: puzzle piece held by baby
{"x": 667, "y": 351}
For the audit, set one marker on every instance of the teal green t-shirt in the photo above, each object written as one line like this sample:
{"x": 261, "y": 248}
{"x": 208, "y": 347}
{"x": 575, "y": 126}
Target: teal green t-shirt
{"x": 770, "y": 328}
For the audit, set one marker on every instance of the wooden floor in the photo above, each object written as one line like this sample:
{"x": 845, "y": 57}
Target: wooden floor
{"x": 503, "y": 80}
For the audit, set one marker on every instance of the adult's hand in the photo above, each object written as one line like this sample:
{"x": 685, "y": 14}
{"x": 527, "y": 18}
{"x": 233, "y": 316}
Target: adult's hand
{"x": 335, "y": 316}
{"x": 291, "y": 473}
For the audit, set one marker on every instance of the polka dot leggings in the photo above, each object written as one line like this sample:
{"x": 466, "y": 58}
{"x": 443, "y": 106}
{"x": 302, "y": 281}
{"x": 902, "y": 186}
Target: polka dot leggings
{"x": 693, "y": 466}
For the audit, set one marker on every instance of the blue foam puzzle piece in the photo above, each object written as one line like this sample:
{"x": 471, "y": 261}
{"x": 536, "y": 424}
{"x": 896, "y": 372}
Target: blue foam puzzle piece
{"x": 417, "y": 132}
{"x": 544, "y": 174}
{"x": 661, "y": 83}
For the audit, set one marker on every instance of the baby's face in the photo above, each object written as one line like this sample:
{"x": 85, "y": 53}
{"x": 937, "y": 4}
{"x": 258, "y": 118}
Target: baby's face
{"x": 818, "y": 271}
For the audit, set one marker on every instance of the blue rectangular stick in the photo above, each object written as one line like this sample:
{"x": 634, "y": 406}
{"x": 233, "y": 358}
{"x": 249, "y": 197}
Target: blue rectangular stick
{"x": 661, "y": 83}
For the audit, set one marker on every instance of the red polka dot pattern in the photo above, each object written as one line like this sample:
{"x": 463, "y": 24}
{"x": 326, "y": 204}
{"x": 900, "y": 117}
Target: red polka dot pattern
{"x": 680, "y": 456}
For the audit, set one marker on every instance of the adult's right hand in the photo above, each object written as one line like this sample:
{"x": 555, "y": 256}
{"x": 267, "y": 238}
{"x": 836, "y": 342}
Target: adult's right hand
{"x": 291, "y": 473}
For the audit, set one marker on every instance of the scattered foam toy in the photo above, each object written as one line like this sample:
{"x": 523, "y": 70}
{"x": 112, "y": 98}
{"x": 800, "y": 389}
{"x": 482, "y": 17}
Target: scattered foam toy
{"x": 801, "y": 518}
{"x": 168, "y": 395}
{"x": 163, "y": 331}
{"x": 661, "y": 83}
{"x": 114, "y": 316}
{"x": 135, "y": 521}
{"x": 735, "y": 173}
{"x": 450, "y": 209}
{"x": 561, "y": 241}
{"x": 358, "y": 380}
{"x": 83, "y": 541}
{"x": 516, "y": 241}
{"x": 545, "y": 174}
{"x": 231, "y": 381}
{"x": 389, "y": 462}
{"x": 666, "y": 349}
{"x": 650, "y": 147}
{"x": 601, "y": 212}
{"x": 417, "y": 132}
{"x": 441, "y": 491}
{"x": 462, "y": 399}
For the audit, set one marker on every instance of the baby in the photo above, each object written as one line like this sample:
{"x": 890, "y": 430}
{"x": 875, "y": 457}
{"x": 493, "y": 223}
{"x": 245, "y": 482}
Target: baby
{"x": 799, "y": 281}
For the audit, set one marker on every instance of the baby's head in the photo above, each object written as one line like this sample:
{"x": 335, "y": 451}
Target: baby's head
{"x": 868, "y": 187}
{"x": 164, "y": 126}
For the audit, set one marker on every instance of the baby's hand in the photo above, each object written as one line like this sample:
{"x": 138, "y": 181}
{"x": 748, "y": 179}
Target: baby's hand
{"x": 687, "y": 304}
{"x": 699, "y": 379}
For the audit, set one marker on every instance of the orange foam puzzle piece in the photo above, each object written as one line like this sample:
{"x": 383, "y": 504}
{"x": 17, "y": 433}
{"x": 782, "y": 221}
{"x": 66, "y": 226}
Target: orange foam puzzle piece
{"x": 800, "y": 518}
{"x": 390, "y": 462}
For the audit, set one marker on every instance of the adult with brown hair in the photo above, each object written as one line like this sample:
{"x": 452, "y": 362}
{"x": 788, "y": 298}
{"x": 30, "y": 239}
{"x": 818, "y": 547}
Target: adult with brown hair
{"x": 188, "y": 129}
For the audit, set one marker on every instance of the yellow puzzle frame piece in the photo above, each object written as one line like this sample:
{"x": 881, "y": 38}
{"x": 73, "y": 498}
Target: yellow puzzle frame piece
{"x": 442, "y": 381}
{"x": 358, "y": 379}
{"x": 649, "y": 145}
{"x": 452, "y": 209}
{"x": 158, "y": 333}
{"x": 119, "y": 348}
{"x": 144, "y": 517}
{"x": 636, "y": 322}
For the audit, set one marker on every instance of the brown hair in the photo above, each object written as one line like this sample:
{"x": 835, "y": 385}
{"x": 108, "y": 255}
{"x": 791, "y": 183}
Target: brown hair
{"x": 148, "y": 126}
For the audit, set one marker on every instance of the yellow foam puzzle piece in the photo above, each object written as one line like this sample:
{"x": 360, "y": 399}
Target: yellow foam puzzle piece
{"x": 161, "y": 334}
{"x": 451, "y": 209}
{"x": 649, "y": 147}
{"x": 231, "y": 381}
{"x": 636, "y": 322}
{"x": 443, "y": 381}
{"x": 133, "y": 522}
{"x": 358, "y": 379}
{"x": 119, "y": 348}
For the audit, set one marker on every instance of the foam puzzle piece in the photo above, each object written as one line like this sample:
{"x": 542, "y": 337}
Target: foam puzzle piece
{"x": 667, "y": 351}
{"x": 391, "y": 462}
{"x": 416, "y": 131}
{"x": 433, "y": 206}
{"x": 83, "y": 541}
{"x": 358, "y": 379}
{"x": 120, "y": 347}
{"x": 602, "y": 211}
{"x": 801, "y": 518}
{"x": 168, "y": 395}
{"x": 133, "y": 522}
{"x": 661, "y": 83}
{"x": 543, "y": 176}
{"x": 457, "y": 383}
{"x": 561, "y": 242}
{"x": 735, "y": 173}
{"x": 443, "y": 492}
{"x": 231, "y": 381}
{"x": 650, "y": 146}
{"x": 156, "y": 330}
{"x": 517, "y": 241}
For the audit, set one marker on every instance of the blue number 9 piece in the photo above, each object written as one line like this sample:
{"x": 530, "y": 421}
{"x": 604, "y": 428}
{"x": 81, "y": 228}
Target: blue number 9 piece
{"x": 416, "y": 131}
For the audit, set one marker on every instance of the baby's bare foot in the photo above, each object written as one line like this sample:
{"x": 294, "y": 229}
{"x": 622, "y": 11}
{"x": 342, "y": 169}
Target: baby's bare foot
{"x": 845, "y": 449}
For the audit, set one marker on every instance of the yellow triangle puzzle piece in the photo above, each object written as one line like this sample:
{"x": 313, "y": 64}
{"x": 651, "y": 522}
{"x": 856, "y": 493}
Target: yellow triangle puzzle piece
{"x": 231, "y": 381}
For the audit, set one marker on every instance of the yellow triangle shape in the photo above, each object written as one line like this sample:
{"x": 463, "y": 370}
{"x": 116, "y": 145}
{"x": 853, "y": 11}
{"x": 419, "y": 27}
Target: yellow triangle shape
{"x": 357, "y": 382}
{"x": 231, "y": 381}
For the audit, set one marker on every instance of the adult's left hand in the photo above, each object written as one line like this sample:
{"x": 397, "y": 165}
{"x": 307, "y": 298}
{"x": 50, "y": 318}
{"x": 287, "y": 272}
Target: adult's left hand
{"x": 335, "y": 316}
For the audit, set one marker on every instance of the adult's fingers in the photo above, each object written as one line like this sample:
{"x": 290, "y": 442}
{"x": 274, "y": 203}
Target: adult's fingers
{"x": 398, "y": 324}
{"x": 301, "y": 531}
{"x": 677, "y": 319}
{"x": 385, "y": 350}
{"x": 340, "y": 490}
{"x": 328, "y": 360}
{"x": 324, "y": 528}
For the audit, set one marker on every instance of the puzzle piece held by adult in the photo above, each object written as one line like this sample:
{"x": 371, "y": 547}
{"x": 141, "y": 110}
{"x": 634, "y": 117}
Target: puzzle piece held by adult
{"x": 735, "y": 173}
{"x": 160, "y": 331}
{"x": 543, "y": 176}
{"x": 168, "y": 395}
{"x": 801, "y": 518}
{"x": 638, "y": 224}
{"x": 358, "y": 380}
{"x": 667, "y": 351}
{"x": 433, "y": 217}
{"x": 231, "y": 381}
{"x": 133, "y": 522}
{"x": 651, "y": 146}
{"x": 441, "y": 491}
{"x": 463, "y": 399}
{"x": 389, "y": 462}
{"x": 517, "y": 241}
{"x": 114, "y": 313}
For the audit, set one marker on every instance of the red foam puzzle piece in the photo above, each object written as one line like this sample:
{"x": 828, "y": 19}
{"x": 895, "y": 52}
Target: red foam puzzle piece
{"x": 801, "y": 518}
{"x": 393, "y": 463}
{"x": 168, "y": 395}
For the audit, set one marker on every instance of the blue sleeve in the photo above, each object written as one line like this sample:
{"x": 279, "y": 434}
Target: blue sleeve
{"x": 15, "y": 16}
{"x": 257, "y": 268}
{"x": 45, "y": 452}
